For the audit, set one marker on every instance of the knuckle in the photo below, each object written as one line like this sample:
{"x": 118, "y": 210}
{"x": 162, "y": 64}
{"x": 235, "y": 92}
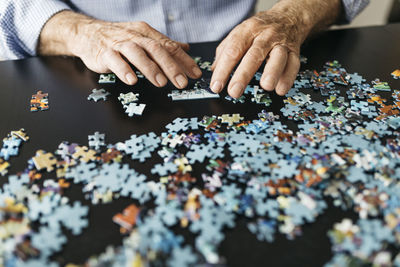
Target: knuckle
{"x": 233, "y": 52}
{"x": 119, "y": 46}
{"x": 245, "y": 76}
{"x": 257, "y": 54}
{"x": 129, "y": 45}
{"x": 154, "y": 45}
{"x": 281, "y": 49}
{"x": 106, "y": 53}
{"x": 248, "y": 24}
{"x": 297, "y": 63}
{"x": 171, "y": 66}
{"x": 268, "y": 44}
{"x": 171, "y": 46}
{"x": 143, "y": 24}
{"x": 150, "y": 68}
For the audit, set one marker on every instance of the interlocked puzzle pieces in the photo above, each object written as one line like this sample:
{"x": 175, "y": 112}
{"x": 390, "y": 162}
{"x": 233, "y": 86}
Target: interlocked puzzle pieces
{"x": 10, "y": 148}
{"x": 262, "y": 98}
{"x": 230, "y": 119}
{"x": 381, "y": 86}
{"x": 84, "y": 154}
{"x": 241, "y": 99}
{"x": 192, "y": 94}
{"x": 107, "y": 78}
{"x": 39, "y": 101}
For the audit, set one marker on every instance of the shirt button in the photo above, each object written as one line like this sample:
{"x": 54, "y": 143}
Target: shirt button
{"x": 171, "y": 17}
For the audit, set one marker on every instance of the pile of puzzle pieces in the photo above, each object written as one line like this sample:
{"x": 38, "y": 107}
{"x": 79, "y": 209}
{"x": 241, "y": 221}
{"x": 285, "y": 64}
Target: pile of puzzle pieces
{"x": 10, "y": 148}
{"x": 345, "y": 148}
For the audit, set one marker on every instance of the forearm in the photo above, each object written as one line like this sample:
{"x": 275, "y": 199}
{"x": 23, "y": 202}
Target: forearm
{"x": 21, "y": 23}
{"x": 308, "y": 16}
{"x": 61, "y": 34}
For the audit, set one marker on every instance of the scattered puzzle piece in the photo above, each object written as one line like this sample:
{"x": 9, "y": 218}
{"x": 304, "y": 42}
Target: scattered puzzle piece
{"x": 39, "y": 101}
{"x": 128, "y": 98}
{"x": 396, "y": 74}
{"x": 127, "y": 219}
{"x": 96, "y": 140}
{"x": 98, "y": 94}
{"x": 134, "y": 109}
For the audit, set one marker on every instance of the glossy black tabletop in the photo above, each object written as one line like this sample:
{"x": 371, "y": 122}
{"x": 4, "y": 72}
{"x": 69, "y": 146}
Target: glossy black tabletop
{"x": 372, "y": 52}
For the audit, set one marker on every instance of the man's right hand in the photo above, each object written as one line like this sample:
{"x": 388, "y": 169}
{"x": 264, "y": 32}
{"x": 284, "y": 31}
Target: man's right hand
{"x": 110, "y": 47}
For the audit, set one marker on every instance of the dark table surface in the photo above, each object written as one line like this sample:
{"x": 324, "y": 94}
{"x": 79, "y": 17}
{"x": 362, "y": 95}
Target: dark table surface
{"x": 373, "y": 52}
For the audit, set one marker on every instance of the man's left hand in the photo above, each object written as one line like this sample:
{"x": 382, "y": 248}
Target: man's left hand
{"x": 272, "y": 36}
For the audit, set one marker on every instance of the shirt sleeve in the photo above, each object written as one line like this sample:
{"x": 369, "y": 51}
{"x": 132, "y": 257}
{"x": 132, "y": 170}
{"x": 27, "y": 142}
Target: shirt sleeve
{"x": 21, "y": 22}
{"x": 352, "y": 8}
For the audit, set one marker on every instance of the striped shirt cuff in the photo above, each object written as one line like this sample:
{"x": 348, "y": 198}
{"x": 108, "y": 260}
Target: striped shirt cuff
{"x": 34, "y": 17}
{"x": 353, "y": 7}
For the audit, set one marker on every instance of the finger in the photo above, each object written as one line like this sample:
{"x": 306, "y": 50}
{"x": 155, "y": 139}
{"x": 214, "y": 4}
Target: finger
{"x": 185, "y": 61}
{"x": 274, "y": 67}
{"x": 289, "y": 75}
{"x": 184, "y": 46}
{"x": 135, "y": 54}
{"x": 119, "y": 66}
{"x": 218, "y": 54}
{"x": 176, "y": 49}
{"x": 250, "y": 63}
{"x": 165, "y": 61}
{"x": 233, "y": 51}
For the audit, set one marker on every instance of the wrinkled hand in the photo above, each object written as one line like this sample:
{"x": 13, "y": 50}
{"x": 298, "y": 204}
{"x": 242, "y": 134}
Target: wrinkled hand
{"x": 110, "y": 47}
{"x": 272, "y": 36}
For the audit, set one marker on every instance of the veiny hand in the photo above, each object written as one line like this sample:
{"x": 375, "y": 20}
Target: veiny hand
{"x": 272, "y": 36}
{"x": 106, "y": 46}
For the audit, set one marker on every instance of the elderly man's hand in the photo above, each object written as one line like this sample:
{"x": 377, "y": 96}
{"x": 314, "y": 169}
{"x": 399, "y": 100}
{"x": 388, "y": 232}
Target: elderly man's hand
{"x": 275, "y": 36}
{"x": 110, "y": 47}
{"x": 267, "y": 34}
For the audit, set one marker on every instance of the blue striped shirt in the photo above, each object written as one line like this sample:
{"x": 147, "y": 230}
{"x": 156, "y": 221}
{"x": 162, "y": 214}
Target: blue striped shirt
{"x": 21, "y": 21}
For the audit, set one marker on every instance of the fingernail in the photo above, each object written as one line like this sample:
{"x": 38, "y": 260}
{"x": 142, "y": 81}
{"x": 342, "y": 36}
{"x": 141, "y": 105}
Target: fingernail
{"x": 130, "y": 78}
{"x": 216, "y": 87}
{"x": 237, "y": 89}
{"x": 197, "y": 71}
{"x": 181, "y": 80}
{"x": 161, "y": 80}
